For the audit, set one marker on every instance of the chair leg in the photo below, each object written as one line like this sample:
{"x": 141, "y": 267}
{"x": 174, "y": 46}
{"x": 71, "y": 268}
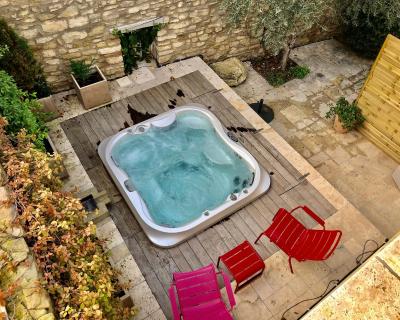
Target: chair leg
{"x": 219, "y": 259}
{"x": 290, "y": 264}
{"x": 258, "y": 238}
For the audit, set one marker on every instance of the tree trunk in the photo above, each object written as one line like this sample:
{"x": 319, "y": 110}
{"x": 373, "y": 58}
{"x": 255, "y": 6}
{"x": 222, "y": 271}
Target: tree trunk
{"x": 265, "y": 49}
{"x": 285, "y": 56}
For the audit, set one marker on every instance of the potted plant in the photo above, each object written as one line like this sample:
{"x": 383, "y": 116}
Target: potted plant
{"x": 90, "y": 84}
{"x": 348, "y": 116}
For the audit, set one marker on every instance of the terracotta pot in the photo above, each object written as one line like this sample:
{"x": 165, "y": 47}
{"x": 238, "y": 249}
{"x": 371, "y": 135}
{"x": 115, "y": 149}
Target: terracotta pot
{"x": 338, "y": 126}
{"x": 95, "y": 94}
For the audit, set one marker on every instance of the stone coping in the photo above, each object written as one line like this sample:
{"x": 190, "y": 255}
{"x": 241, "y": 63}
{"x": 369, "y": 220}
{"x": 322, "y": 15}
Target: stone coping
{"x": 371, "y": 292}
{"x": 142, "y": 296}
{"x": 140, "y": 25}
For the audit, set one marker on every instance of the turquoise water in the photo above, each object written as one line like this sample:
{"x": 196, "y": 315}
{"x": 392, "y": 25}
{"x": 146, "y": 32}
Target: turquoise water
{"x": 183, "y": 170}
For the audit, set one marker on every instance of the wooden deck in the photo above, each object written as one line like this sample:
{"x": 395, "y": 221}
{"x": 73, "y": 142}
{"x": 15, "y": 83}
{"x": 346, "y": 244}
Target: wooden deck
{"x": 157, "y": 265}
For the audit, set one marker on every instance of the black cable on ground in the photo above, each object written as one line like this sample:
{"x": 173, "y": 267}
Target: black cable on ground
{"x": 359, "y": 260}
{"x": 360, "y": 257}
{"x": 321, "y": 296}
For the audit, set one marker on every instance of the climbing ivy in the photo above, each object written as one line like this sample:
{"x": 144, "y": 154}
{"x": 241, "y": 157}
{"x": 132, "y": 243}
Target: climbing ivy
{"x": 136, "y": 46}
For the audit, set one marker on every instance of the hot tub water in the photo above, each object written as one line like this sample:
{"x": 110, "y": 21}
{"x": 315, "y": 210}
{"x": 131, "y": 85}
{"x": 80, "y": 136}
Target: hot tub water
{"x": 181, "y": 170}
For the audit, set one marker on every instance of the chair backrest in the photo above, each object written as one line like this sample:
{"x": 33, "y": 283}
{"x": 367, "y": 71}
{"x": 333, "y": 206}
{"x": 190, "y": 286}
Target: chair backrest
{"x": 285, "y": 231}
{"x": 316, "y": 244}
{"x": 196, "y": 288}
{"x": 297, "y": 241}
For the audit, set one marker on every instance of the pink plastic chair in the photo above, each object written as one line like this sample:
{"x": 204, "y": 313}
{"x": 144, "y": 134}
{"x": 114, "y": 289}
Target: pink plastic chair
{"x": 199, "y": 295}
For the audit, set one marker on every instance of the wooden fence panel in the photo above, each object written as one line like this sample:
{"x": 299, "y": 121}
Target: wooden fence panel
{"x": 379, "y": 99}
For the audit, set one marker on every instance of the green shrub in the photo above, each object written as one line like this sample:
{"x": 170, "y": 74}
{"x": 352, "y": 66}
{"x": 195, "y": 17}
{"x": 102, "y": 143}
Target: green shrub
{"x": 278, "y": 77}
{"x": 135, "y": 45}
{"x": 3, "y": 50}
{"x": 299, "y": 72}
{"x": 349, "y": 114}
{"x": 82, "y": 71}
{"x": 19, "y": 62}
{"x": 367, "y": 23}
{"x": 21, "y": 110}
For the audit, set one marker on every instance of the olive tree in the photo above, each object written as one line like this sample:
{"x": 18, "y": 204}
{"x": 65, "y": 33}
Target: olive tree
{"x": 276, "y": 23}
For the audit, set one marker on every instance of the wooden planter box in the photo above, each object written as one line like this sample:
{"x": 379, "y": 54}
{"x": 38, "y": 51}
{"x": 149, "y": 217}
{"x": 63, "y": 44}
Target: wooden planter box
{"x": 95, "y": 94}
{"x": 49, "y": 105}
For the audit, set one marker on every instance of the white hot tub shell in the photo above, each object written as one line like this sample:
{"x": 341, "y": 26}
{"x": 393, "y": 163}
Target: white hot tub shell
{"x": 164, "y": 236}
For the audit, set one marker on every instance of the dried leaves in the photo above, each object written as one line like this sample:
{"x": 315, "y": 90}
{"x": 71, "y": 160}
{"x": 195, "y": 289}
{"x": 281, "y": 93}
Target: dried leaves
{"x": 75, "y": 268}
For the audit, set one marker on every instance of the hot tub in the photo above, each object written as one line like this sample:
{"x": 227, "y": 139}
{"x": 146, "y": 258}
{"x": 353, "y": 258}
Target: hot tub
{"x": 180, "y": 173}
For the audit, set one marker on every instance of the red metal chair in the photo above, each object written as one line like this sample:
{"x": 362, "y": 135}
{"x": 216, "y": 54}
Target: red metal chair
{"x": 243, "y": 262}
{"x": 199, "y": 295}
{"x": 297, "y": 241}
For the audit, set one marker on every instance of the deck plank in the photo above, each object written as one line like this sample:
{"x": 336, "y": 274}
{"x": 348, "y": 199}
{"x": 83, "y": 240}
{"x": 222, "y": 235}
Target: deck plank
{"x": 156, "y": 264}
{"x": 120, "y": 109}
{"x": 91, "y": 118}
{"x": 189, "y": 255}
{"x": 200, "y": 253}
{"x": 92, "y": 136}
{"x": 81, "y": 144}
{"x": 212, "y": 243}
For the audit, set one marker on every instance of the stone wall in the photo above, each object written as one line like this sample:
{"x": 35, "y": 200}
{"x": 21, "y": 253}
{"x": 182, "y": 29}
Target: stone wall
{"x": 60, "y": 30}
{"x": 30, "y": 300}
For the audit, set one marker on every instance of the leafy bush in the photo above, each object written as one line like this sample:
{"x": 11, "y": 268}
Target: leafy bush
{"x": 300, "y": 72}
{"x": 367, "y": 23}
{"x": 75, "y": 268}
{"x": 82, "y": 71}
{"x": 278, "y": 77}
{"x": 3, "y": 50}
{"x": 19, "y": 62}
{"x": 350, "y": 115}
{"x": 135, "y": 46}
{"x": 21, "y": 110}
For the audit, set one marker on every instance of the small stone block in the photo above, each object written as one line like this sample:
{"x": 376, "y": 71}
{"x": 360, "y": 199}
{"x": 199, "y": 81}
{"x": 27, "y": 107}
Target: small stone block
{"x": 124, "y": 82}
{"x": 143, "y": 297}
{"x": 130, "y": 272}
{"x": 142, "y": 75}
{"x": 36, "y": 300}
